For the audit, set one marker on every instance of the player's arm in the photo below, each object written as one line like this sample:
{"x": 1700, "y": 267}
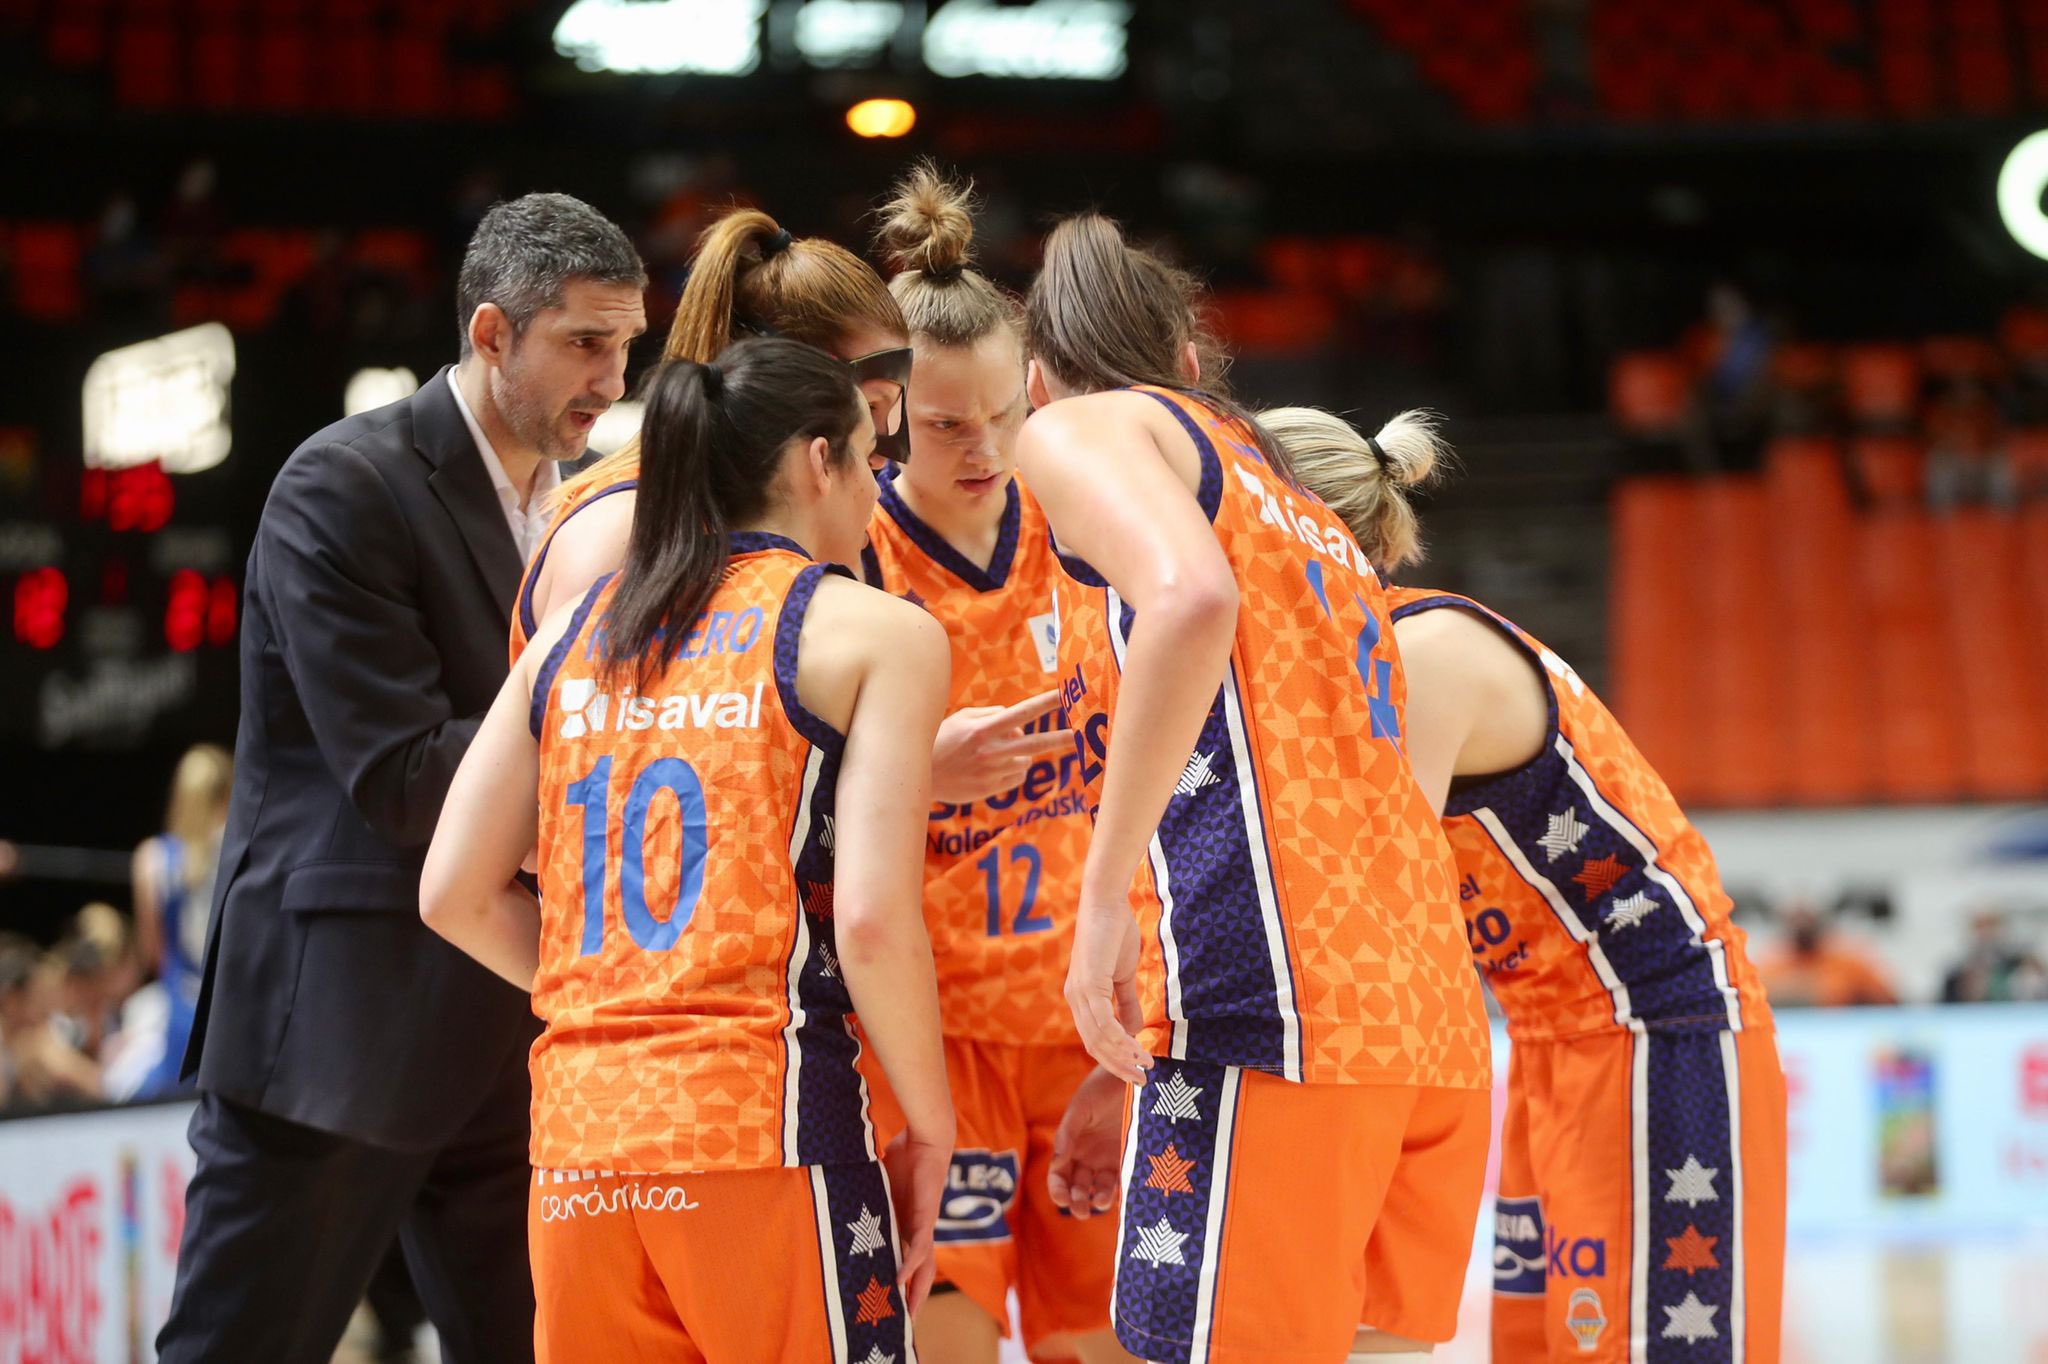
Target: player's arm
{"x": 339, "y": 575}
{"x": 588, "y": 545}
{"x": 878, "y": 670}
{"x": 146, "y": 895}
{"x": 1120, "y": 495}
{"x": 469, "y": 890}
{"x": 1476, "y": 705}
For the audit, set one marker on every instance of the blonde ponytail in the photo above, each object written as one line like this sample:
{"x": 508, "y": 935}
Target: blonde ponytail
{"x": 927, "y": 238}
{"x": 1368, "y": 491}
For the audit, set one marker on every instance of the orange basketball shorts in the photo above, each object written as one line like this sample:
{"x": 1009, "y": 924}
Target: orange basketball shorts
{"x": 1264, "y": 1220}
{"x": 1641, "y": 1213}
{"x": 998, "y": 1229}
{"x": 789, "y": 1265}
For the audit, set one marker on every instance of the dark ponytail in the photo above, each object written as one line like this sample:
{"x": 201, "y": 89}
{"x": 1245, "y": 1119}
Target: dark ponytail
{"x": 711, "y": 442}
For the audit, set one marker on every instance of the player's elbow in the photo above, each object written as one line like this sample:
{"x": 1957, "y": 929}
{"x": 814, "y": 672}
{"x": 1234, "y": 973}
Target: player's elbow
{"x": 1198, "y": 601}
{"x": 868, "y": 934}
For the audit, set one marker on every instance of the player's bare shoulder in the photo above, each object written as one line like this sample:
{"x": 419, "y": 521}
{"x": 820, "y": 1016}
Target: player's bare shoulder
{"x": 853, "y": 633}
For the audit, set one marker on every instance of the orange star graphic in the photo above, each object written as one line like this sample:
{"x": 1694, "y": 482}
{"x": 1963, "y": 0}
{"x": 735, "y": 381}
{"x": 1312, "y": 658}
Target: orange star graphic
{"x": 874, "y": 1303}
{"x": 1599, "y": 875}
{"x": 1170, "y": 1172}
{"x": 1691, "y": 1251}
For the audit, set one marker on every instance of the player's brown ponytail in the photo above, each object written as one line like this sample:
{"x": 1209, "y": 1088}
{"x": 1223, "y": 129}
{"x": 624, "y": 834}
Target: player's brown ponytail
{"x": 712, "y": 444}
{"x": 1366, "y": 487}
{"x": 1104, "y": 314}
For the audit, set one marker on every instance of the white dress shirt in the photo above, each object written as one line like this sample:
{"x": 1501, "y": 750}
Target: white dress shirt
{"x": 521, "y": 515}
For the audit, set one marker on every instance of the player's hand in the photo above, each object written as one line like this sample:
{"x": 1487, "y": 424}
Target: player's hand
{"x": 1102, "y": 989}
{"x": 917, "y": 1184}
{"x": 1087, "y": 1151}
{"x": 983, "y": 751}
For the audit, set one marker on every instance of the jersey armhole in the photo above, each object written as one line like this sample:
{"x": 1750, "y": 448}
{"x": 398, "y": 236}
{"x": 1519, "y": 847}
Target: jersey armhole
{"x": 1470, "y": 793}
{"x": 527, "y": 619}
{"x": 1209, "y": 492}
{"x": 544, "y": 678}
{"x": 789, "y": 625}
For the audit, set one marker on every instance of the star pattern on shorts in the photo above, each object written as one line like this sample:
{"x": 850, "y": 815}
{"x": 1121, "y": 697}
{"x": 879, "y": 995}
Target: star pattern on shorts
{"x": 1691, "y": 1251}
{"x": 1160, "y": 1244}
{"x": 875, "y": 1356}
{"x": 1692, "y": 1183}
{"x": 1565, "y": 834}
{"x": 1176, "y": 1099}
{"x": 1198, "y": 774}
{"x": 1599, "y": 875}
{"x": 867, "y": 1232}
{"x": 828, "y": 961}
{"x": 1692, "y": 1321}
{"x": 825, "y": 838}
{"x": 1170, "y": 1172}
{"x": 874, "y": 1303}
{"x": 1631, "y": 911}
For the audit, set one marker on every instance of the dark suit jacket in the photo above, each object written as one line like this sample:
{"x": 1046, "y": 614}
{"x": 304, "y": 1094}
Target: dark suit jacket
{"x": 373, "y": 641}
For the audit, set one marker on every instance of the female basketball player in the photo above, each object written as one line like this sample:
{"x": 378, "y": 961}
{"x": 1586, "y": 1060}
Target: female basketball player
{"x": 751, "y": 278}
{"x": 173, "y": 883}
{"x": 1309, "y": 1143}
{"x": 1642, "y": 1188}
{"x": 958, "y": 533}
{"x": 730, "y": 745}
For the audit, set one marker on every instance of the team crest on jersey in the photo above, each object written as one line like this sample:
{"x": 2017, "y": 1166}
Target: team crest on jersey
{"x": 1518, "y": 1250}
{"x": 980, "y": 1187}
{"x": 1045, "y": 635}
{"x": 1586, "y": 1319}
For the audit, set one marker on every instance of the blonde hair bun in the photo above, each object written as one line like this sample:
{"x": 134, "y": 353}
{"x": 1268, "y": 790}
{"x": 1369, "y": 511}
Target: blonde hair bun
{"x": 928, "y": 224}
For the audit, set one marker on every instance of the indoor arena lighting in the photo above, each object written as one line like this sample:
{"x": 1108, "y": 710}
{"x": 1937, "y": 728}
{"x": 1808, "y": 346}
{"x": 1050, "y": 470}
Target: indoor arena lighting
{"x": 1049, "y": 40}
{"x": 370, "y": 389}
{"x": 881, "y": 118}
{"x": 2020, "y": 183}
{"x": 663, "y": 37}
{"x": 164, "y": 400}
{"x": 1039, "y": 40}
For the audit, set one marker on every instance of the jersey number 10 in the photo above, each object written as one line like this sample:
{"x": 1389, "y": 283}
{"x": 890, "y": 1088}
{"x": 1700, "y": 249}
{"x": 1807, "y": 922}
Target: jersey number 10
{"x": 593, "y": 794}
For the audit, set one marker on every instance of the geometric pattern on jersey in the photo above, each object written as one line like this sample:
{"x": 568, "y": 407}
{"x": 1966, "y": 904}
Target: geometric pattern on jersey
{"x": 862, "y": 1303}
{"x": 1592, "y": 902}
{"x": 1176, "y": 1178}
{"x": 1002, "y": 874}
{"x": 524, "y": 617}
{"x": 1298, "y": 907}
{"x": 694, "y": 1017}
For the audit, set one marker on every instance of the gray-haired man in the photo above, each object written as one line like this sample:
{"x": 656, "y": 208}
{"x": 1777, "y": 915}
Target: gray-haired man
{"x": 358, "y": 1077}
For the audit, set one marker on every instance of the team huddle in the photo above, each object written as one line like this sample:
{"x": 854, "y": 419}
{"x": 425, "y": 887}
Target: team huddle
{"x": 1000, "y": 832}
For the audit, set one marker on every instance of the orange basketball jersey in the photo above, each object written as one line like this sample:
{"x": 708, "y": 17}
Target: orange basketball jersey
{"x": 695, "y": 1017}
{"x": 524, "y": 617}
{"x": 1591, "y": 902}
{"x": 1000, "y": 875}
{"x": 1299, "y": 904}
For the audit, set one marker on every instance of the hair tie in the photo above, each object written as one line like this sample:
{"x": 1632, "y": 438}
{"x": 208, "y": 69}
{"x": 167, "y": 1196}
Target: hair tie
{"x": 944, "y": 274}
{"x": 775, "y": 245}
{"x": 714, "y": 382}
{"x": 1378, "y": 453}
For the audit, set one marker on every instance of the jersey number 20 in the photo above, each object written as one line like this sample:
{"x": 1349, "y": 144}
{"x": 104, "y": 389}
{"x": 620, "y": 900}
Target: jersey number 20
{"x": 593, "y": 794}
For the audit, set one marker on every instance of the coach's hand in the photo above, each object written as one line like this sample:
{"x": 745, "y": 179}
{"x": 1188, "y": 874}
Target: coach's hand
{"x": 983, "y": 751}
{"x": 917, "y": 1184}
{"x": 1087, "y": 1151}
{"x": 1102, "y": 989}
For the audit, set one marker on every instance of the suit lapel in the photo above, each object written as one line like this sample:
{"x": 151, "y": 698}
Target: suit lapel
{"x": 463, "y": 486}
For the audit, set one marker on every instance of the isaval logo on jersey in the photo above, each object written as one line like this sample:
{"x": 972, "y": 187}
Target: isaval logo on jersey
{"x": 1518, "y": 1250}
{"x": 980, "y": 1187}
{"x": 586, "y": 710}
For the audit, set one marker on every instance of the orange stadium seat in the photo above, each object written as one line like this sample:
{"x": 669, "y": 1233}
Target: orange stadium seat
{"x": 1647, "y": 392}
{"x": 1891, "y": 471}
{"x": 1827, "y": 712}
{"x": 1805, "y": 477}
{"x": 1998, "y": 656}
{"x": 2026, "y": 450}
{"x": 1653, "y": 591}
{"x": 1910, "y": 667}
{"x": 1741, "y": 749}
{"x": 1881, "y": 384}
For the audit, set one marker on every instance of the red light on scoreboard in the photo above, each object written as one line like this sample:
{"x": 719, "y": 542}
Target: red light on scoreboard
{"x": 199, "y": 612}
{"x": 222, "y": 603}
{"x": 185, "y": 611}
{"x": 139, "y": 498}
{"x": 40, "y": 596}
